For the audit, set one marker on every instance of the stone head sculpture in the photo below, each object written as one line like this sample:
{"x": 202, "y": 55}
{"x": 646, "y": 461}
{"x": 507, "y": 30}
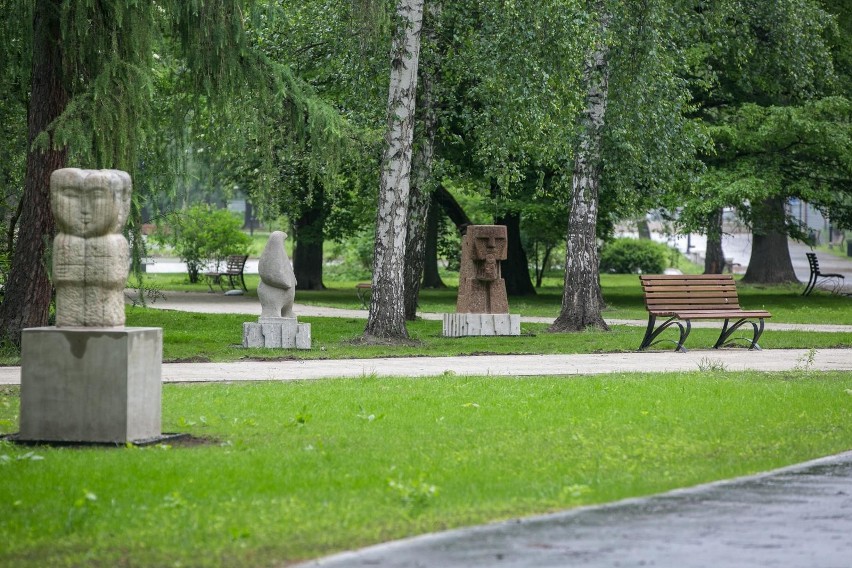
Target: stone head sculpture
{"x": 489, "y": 248}
{"x": 90, "y": 255}
{"x": 481, "y": 286}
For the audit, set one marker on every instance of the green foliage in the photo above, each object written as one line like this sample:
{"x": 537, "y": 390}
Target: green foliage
{"x": 766, "y": 89}
{"x": 202, "y": 235}
{"x": 632, "y": 256}
{"x": 261, "y": 492}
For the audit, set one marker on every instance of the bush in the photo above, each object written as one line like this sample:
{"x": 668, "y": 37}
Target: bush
{"x": 202, "y": 235}
{"x": 632, "y": 256}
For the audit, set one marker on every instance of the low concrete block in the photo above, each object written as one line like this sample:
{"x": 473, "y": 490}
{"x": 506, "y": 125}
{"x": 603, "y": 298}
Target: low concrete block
{"x": 470, "y": 325}
{"x": 91, "y": 384}
{"x": 277, "y": 333}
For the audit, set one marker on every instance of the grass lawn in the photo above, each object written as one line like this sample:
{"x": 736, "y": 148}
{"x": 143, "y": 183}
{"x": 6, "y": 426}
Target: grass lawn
{"x": 301, "y": 469}
{"x": 218, "y": 337}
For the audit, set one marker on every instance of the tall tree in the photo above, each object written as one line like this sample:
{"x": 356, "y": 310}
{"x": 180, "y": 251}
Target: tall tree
{"x": 95, "y": 69}
{"x": 420, "y": 198}
{"x": 762, "y": 77}
{"x": 581, "y": 298}
{"x": 28, "y": 290}
{"x": 386, "y": 319}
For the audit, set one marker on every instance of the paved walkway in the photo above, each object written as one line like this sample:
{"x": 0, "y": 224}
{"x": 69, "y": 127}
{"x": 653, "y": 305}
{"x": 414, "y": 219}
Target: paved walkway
{"x": 796, "y": 517}
{"x": 499, "y": 365}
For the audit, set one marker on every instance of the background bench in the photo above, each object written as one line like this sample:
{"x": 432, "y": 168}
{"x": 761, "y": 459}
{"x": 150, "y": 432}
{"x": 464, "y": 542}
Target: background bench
{"x": 364, "y": 290}
{"x": 234, "y": 268}
{"x": 683, "y": 298}
{"x": 831, "y": 282}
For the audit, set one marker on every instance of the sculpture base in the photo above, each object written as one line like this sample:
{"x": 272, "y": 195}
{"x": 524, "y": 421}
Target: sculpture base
{"x": 277, "y": 333}
{"x": 99, "y": 385}
{"x": 465, "y": 325}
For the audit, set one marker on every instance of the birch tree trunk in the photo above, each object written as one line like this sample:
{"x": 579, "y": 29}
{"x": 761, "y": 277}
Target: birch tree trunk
{"x": 582, "y": 301}
{"x": 386, "y": 320}
{"x": 28, "y": 289}
{"x": 420, "y": 198}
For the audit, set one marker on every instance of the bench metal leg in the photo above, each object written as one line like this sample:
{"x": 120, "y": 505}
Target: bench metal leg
{"x": 728, "y": 331}
{"x": 651, "y": 333}
{"x": 212, "y": 279}
{"x": 809, "y": 287}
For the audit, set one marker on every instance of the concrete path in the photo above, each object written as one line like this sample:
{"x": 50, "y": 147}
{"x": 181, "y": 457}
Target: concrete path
{"x": 512, "y": 365}
{"x": 796, "y": 517}
{"x": 500, "y": 365}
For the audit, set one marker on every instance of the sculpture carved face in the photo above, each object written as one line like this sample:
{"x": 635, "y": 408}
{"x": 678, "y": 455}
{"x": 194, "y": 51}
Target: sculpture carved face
{"x": 489, "y": 247}
{"x": 89, "y": 203}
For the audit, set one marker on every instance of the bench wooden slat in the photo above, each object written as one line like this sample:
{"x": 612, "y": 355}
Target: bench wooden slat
{"x": 730, "y": 289}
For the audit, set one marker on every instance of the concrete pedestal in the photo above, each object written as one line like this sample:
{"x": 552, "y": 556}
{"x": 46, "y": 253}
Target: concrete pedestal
{"x": 278, "y": 333}
{"x": 463, "y": 325}
{"x": 91, "y": 384}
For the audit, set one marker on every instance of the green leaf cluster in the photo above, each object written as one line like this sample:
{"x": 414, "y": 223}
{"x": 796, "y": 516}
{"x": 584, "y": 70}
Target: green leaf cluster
{"x": 202, "y": 236}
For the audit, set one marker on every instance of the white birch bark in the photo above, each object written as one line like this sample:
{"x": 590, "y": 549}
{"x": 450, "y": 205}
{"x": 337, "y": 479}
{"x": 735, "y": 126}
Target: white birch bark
{"x": 582, "y": 301}
{"x": 386, "y": 320}
{"x": 420, "y": 197}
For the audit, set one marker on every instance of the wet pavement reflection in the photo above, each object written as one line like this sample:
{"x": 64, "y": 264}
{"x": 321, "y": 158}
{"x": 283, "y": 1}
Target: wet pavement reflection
{"x": 799, "y": 516}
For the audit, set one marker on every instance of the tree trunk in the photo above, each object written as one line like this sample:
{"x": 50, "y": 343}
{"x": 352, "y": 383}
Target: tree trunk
{"x": 452, "y": 208}
{"x": 770, "y": 261}
{"x": 28, "y": 290}
{"x": 420, "y": 199}
{"x": 581, "y": 297}
{"x": 386, "y": 320}
{"x": 516, "y": 268}
{"x": 248, "y": 218}
{"x": 714, "y": 257}
{"x": 431, "y": 276}
{"x": 307, "y": 243}
{"x": 539, "y": 272}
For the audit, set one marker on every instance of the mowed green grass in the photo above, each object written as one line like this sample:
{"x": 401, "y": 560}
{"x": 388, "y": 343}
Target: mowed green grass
{"x": 301, "y": 469}
{"x": 218, "y": 337}
{"x": 298, "y": 470}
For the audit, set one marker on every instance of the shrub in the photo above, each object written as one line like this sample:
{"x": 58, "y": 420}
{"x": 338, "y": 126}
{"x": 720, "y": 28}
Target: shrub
{"x": 202, "y": 235}
{"x": 631, "y": 256}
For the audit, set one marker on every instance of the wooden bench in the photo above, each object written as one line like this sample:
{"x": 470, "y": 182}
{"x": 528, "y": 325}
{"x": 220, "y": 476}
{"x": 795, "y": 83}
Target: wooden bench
{"x": 234, "y": 268}
{"x": 832, "y": 282}
{"x": 683, "y": 298}
{"x": 364, "y": 290}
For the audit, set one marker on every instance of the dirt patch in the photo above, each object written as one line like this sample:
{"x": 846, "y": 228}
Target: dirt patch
{"x": 193, "y": 359}
{"x": 384, "y": 341}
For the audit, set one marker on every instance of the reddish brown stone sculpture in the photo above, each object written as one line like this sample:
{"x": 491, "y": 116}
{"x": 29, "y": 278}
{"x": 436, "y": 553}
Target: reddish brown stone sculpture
{"x": 482, "y": 290}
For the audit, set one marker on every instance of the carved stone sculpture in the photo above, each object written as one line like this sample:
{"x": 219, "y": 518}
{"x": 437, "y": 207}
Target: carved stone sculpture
{"x": 277, "y": 288}
{"x": 277, "y": 326}
{"x": 90, "y": 379}
{"x": 90, "y": 255}
{"x": 482, "y": 290}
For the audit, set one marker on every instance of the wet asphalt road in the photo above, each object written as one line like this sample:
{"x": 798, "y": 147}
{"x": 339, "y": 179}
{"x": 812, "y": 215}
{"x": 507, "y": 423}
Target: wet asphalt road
{"x": 797, "y": 517}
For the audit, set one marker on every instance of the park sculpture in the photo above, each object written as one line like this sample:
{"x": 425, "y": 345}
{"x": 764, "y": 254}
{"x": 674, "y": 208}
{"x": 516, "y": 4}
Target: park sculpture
{"x": 277, "y": 326}
{"x": 90, "y": 379}
{"x": 482, "y": 307}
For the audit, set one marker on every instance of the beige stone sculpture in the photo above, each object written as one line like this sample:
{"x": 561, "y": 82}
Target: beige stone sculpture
{"x": 91, "y": 258}
{"x": 277, "y": 288}
{"x": 482, "y": 290}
